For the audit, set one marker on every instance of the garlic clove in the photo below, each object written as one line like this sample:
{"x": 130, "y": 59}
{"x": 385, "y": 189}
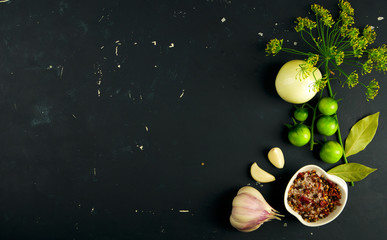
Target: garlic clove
{"x": 260, "y": 175}
{"x": 276, "y": 157}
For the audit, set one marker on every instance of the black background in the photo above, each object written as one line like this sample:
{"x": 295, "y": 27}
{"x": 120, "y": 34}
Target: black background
{"x": 117, "y": 115}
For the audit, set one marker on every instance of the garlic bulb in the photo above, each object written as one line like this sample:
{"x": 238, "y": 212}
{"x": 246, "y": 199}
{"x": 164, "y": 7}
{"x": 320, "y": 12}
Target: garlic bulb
{"x": 250, "y": 210}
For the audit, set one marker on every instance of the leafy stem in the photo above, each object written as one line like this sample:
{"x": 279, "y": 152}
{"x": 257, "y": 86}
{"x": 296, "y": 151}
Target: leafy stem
{"x": 338, "y": 133}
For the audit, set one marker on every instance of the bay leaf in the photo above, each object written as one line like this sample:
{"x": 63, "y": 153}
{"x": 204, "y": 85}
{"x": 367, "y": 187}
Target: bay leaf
{"x": 351, "y": 172}
{"x": 361, "y": 134}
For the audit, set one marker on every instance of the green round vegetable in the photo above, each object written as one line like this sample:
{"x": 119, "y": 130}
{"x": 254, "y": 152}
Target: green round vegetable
{"x": 327, "y": 106}
{"x": 299, "y": 135}
{"x": 301, "y": 114}
{"x": 327, "y": 125}
{"x": 331, "y": 152}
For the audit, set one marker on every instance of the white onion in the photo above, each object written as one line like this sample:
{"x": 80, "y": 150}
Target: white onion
{"x": 292, "y": 87}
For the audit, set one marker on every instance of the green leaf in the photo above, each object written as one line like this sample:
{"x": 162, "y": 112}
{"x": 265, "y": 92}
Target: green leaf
{"x": 361, "y": 134}
{"x": 351, "y": 172}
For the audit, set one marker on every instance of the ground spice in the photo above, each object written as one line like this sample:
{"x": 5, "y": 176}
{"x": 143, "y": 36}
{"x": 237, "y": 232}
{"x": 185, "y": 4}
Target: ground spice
{"x": 313, "y": 196}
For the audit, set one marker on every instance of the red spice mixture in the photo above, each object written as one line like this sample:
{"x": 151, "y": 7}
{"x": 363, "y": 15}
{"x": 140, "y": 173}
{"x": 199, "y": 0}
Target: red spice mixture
{"x": 312, "y": 196}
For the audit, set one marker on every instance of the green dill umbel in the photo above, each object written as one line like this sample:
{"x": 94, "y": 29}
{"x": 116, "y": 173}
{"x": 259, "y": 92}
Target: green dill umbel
{"x": 332, "y": 44}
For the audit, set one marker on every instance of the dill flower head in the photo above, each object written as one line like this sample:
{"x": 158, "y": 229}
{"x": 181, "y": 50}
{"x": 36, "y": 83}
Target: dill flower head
{"x": 367, "y": 66}
{"x": 337, "y": 55}
{"x": 379, "y": 57}
{"x": 369, "y": 34}
{"x": 372, "y": 90}
{"x": 304, "y": 23}
{"x": 324, "y": 14}
{"x": 353, "y": 79}
{"x": 273, "y": 46}
{"x": 346, "y": 7}
{"x": 308, "y": 67}
{"x": 359, "y": 45}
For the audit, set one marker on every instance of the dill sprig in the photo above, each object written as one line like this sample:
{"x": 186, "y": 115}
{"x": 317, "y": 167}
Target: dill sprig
{"x": 337, "y": 42}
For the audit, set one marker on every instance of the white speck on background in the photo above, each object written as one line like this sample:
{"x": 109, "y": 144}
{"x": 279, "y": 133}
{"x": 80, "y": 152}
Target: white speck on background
{"x": 285, "y": 224}
{"x": 311, "y": 233}
{"x": 172, "y": 45}
{"x": 223, "y": 20}
{"x": 295, "y": 43}
{"x": 118, "y": 44}
{"x": 182, "y": 94}
{"x": 61, "y": 71}
{"x": 119, "y": 66}
{"x": 380, "y": 18}
{"x": 184, "y": 211}
{"x": 94, "y": 171}
{"x": 154, "y": 43}
{"x": 260, "y": 34}
{"x": 140, "y": 147}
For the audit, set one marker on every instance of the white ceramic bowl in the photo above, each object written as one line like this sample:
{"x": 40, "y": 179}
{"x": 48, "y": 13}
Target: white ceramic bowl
{"x": 340, "y": 183}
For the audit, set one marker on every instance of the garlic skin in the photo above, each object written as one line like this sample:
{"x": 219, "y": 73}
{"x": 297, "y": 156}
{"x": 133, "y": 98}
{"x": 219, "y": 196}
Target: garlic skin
{"x": 250, "y": 210}
{"x": 276, "y": 157}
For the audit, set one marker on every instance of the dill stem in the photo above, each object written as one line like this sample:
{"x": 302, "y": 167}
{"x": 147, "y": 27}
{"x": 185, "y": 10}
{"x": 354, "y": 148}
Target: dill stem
{"x": 338, "y": 125}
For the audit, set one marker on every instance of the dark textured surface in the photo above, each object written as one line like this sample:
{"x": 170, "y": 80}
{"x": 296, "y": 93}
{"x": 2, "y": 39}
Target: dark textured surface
{"x": 116, "y": 115}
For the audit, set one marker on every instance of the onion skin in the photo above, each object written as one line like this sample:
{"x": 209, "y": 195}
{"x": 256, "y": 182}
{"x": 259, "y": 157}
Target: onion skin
{"x": 250, "y": 210}
{"x": 291, "y": 87}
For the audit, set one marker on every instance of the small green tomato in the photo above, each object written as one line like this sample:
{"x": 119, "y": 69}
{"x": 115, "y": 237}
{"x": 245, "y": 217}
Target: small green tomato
{"x": 331, "y": 152}
{"x": 299, "y": 135}
{"x": 327, "y": 125}
{"x": 327, "y": 106}
{"x": 301, "y": 114}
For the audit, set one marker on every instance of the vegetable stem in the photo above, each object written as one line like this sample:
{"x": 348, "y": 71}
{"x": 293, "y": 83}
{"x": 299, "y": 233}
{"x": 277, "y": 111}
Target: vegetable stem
{"x": 338, "y": 125}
